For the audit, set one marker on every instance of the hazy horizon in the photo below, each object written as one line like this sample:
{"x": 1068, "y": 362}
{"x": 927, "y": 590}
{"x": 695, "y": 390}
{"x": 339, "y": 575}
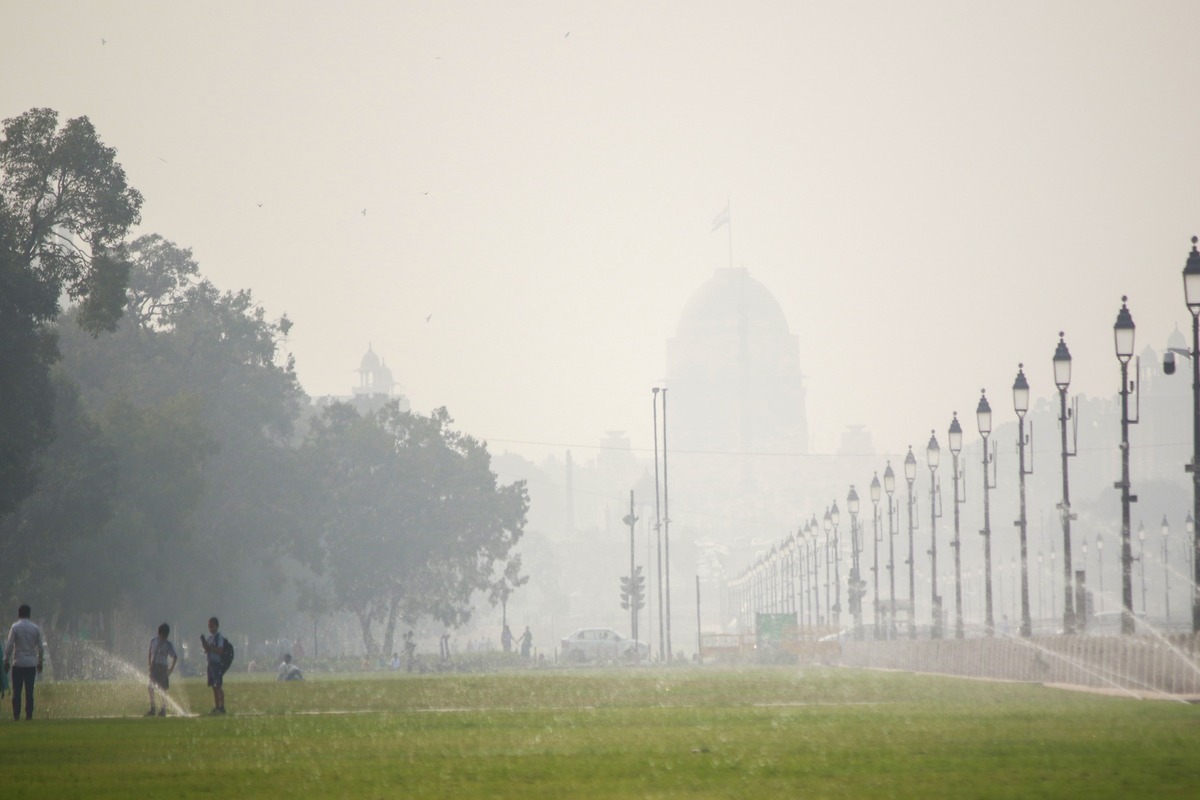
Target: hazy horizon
{"x": 930, "y": 190}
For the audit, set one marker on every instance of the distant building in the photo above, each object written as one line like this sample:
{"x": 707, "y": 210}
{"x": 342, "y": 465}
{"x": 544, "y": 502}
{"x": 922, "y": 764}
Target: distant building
{"x": 733, "y": 368}
{"x": 376, "y": 386}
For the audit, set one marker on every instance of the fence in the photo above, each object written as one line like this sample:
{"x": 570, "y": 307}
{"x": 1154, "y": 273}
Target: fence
{"x": 1167, "y": 664}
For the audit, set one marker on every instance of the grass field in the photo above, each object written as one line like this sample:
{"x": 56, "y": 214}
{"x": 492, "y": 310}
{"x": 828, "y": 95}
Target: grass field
{"x": 763, "y": 732}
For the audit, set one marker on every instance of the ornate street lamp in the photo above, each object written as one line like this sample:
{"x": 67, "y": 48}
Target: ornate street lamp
{"x": 1062, "y": 379}
{"x": 933, "y": 455}
{"x": 1191, "y": 293}
{"x": 827, "y": 524}
{"x": 810, "y": 534}
{"x": 876, "y": 492}
{"x": 910, "y": 475}
{"x": 889, "y": 486}
{"x": 1123, "y": 332}
{"x": 835, "y": 517}
{"x": 983, "y": 417}
{"x": 955, "y": 440}
{"x": 855, "y": 589}
{"x": 1021, "y": 406}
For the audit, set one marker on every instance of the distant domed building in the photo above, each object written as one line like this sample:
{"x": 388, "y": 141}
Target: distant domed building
{"x": 376, "y": 386}
{"x": 374, "y": 378}
{"x": 733, "y": 371}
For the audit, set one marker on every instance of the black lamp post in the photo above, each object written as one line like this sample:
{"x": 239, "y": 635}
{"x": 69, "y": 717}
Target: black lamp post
{"x": 983, "y": 416}
{"x": 955, "y": 440}
{"x": 1123, "y": 332}
{"x": 933, "y": 455}
{"x": 835, "y": 517}
{"x": 1021, "y": 405}
{"x": 1062, "y": 379}
{"x": 889, "y": 486}
{"x": 910, "y": 475}
{"x": 811, "y": 535}
{"x": 855, "y": 589}
{"x": 1100, "y": 566}
{"x": 876, "y": 491}
{"x": 1191, "y": 292}
{"x": 827, "y": 524}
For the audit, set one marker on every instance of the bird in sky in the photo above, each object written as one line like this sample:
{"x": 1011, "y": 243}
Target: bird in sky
{"x": 103, "y": 42}
{"x": 429, "y": 318}
{"x": 565, "y": 35}
{"x": 260, "y": 205}
{"x": 364, "y": 212}
{"x": 425, "y": 193}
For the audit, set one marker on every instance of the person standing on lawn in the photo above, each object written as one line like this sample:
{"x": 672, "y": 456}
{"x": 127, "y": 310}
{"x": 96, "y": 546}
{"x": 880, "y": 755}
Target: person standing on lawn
{"x": 23, "y": 652}
{"x": 162, "y": 660}
{"x": 214, "y": 646}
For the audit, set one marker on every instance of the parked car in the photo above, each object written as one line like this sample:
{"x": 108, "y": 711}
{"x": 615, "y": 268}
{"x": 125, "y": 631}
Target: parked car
{"x": 601, "y": 644}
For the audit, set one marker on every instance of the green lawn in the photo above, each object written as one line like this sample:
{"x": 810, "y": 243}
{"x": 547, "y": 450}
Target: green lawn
{"x": 770, "y": 732}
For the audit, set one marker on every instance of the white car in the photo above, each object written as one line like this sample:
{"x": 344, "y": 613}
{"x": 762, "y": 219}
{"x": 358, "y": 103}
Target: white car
{"x": 602, "y": 644}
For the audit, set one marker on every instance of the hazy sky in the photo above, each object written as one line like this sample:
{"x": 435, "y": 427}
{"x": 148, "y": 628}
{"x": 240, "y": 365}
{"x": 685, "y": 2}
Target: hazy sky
{"x": 932, "y": 190}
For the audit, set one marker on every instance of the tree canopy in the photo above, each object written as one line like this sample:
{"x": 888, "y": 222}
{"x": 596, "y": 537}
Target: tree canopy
{"x": 65, "y": 207}
{"x": 413, "y": 520}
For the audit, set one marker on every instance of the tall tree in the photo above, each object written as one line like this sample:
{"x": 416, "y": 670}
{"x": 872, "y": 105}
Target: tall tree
{"x": 413, "y": 519}
{"x": 64, "y": 207}
{"x": 211, "y": 362}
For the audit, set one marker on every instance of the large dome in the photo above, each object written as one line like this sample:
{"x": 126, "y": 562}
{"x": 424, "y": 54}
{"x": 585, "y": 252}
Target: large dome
{"x": 728, "y": 299}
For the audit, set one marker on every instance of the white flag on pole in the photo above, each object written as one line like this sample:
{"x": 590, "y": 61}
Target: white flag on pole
{"x": 721, "y": 219}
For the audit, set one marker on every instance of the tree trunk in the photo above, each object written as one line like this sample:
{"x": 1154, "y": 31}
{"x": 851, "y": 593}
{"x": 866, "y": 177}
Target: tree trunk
{"x": 390, "y": 630}
{"x": 364, "y": 622}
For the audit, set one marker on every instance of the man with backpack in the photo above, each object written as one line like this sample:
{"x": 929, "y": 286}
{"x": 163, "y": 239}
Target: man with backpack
{"x": 220, "y": 656}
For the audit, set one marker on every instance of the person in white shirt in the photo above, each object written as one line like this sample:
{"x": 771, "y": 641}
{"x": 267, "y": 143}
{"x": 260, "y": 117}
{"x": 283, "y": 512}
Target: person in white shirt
{"x": 289, "y": 671}
{"x": 162, "y": 660}
{"x": 23, "y": 652}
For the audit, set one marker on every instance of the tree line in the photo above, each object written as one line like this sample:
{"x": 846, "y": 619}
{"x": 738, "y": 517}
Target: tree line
{"x": 158, "y": 454}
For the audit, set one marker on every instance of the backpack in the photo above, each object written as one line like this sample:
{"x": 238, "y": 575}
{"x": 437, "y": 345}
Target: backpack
{"x": 227, "y": 656}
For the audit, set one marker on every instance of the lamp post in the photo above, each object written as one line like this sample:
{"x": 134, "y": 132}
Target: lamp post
{"x": 1021, "y": 406}
{"x": 662, "y": 645}
{"x": 1166, "y": 530}
{"x": 1062, "y": 379}
{"x": 1191, "y": 292}
{"x": 983, "y": 416}
{"x": 933, "y": 455}
{"x": 955, "y": 440}
{"x": 876, "y": 491}
{"x": 889, "y": 486}
{"x": 1100, "y": 566}
{"x": 810, "y": 533}
{"x": 1123, "y": 333}
{"x": 835, "y": 517}
{"x": 855, "y": 589}
{"x": 910, "y": 475}
{"x": 633, "y": 594}
{"x": 827, "y": 524}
